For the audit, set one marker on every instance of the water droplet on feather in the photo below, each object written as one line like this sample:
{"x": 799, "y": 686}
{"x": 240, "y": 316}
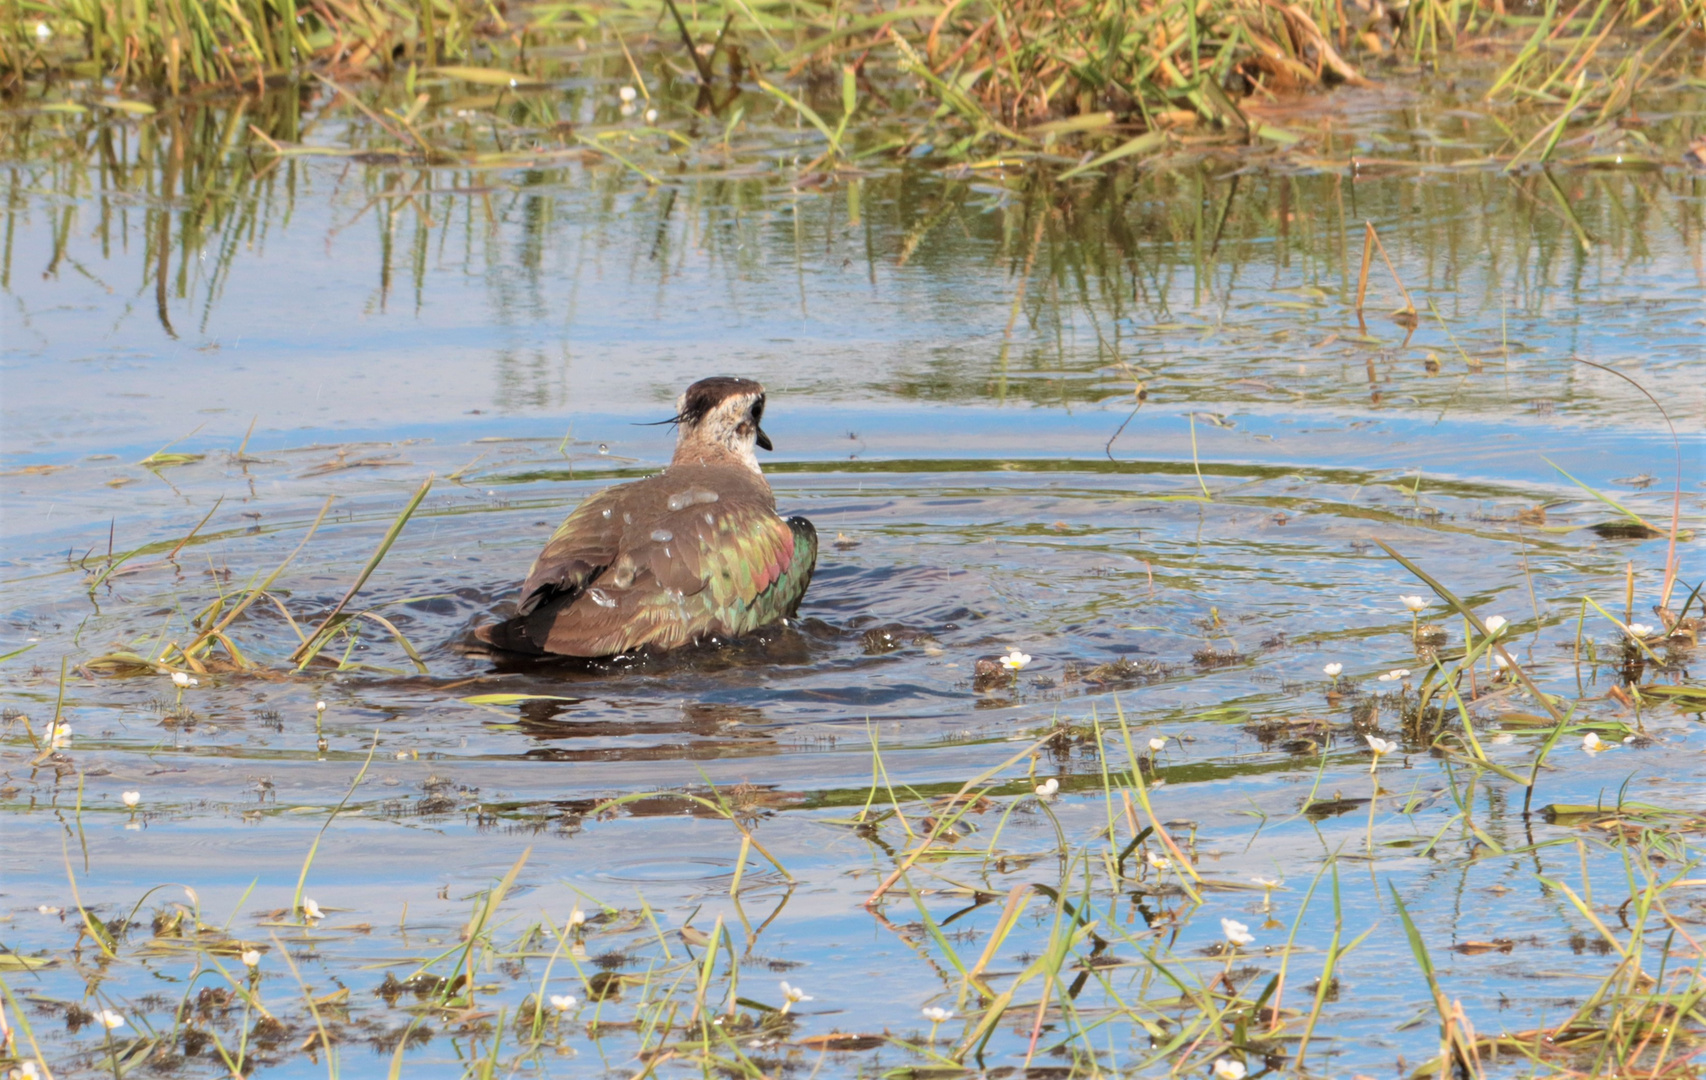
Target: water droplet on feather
{"x": 662, "y": 536}
{"x": 599, "y": 597}
{"x": 693, "y": 497}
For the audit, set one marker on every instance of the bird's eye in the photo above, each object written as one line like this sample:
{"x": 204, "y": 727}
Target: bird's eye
{"x": 758, "y": 410}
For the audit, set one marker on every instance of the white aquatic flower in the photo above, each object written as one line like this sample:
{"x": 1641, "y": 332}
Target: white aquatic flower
{"x": 1158, "y": 742}
{"x": 1015, "y": 661}
{"x": 131, "y": 798}
{"x": 563, "y": 1002}
{"x": 627, "y": 94}
{"x": 109, "y": 1019}
{"x": 577, "y": 917}
{"x": 1592, "y": 743}
{"x": 312, "y": 910}
{"x": 49, "y": 909}
{"x": 182, "y": 679}
{"x": 60, "y": 737}
{"x": 319, "y": 706}
{"x": 1379, "y": 745}
{"x": 1395, "y": 674}
{"x": 1229, "y": 1069}
{"x": 936, "y": 1014}
{"x": 1494, "y": 624}
{"x": 1414, "y": 603}
{"x": 1640, "y": 630}
{"x": 26, "y": 1070}
{"x": 791, "y": 995}
{"x": 1159, "y": 862}
{"x": 1333, "y": 669}
{"x": 1236, "y": 932}
{"x": 1266, "y": 883}
{"x": 651, "y": 116}
{"x": 1500, "y": 662}
{"x": 1048, "y": 787}
{"x": 251, "y": 958}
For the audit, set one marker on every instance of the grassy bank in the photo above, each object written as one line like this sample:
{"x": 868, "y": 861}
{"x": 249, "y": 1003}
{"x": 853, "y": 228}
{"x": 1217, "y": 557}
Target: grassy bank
{"x": 966, "y": 76}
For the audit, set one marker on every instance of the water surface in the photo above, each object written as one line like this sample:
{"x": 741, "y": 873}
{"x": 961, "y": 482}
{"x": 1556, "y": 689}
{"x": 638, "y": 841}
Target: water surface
{"x": 948, "y": 353}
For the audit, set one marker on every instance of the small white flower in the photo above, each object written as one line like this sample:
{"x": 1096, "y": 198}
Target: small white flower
{"x": 1640, "y": 630}
{"x": 1500, "y": 662}
{"x": 251, "y": 958}
{"x": 577, "y": 917}
{"x": 1236, "y": 932}
{"x": 1266, "y": 883}
{"x": 1495, "y": 623}
{"x": 1379, "y": 745}
{"x": 1048, "y": 787}
{"x": 43, "y": 31}
{"x": 109, "y": 1019}
{"x": 312, "y": 910}
{"x": 1015, "y": 661}
{"x": 936, "y": 1015}
{"x": 1158, "y": 742}
{"x": 1592, "y": 743}
{"x": 1395, "y": 674}
{"x": 49, "y": 909}
{"x": 60, "y": 737}
{"x": 1333, "y": 669}
{"x": 1229, "y": 1069}
{"x": 627, "y": 93}
{"x": 563, "y": 1002}
{"x": 27, "y": 1071}
{"x": 181, "y": 679}
{"x": 651, "y": 116}
{"x": 792, "y": 995}
{"x": 131, "y": 798}
{"x": 1159, "y": 862}
{"x": 1503, "y": 738}
{"x": 1414, "y": 603}
{"x": 319, "y": 706}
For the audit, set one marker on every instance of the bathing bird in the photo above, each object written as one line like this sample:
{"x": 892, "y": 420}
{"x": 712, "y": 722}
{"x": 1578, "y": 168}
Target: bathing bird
{"x": 692, "y": 554}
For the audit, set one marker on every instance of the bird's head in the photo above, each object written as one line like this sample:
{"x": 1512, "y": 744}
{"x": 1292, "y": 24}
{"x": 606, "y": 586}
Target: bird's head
{"x": 720, "y": 416}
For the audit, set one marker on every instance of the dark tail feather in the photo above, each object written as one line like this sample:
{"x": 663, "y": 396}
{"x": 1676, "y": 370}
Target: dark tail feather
{"x": 509, "y": 636}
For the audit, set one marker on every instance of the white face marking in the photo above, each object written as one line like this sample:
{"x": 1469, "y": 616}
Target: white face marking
{"x": 728, "y": 428}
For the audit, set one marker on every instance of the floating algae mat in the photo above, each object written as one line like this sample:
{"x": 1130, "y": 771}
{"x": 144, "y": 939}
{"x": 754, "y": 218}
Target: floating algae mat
{"x": 1243, "y": 810}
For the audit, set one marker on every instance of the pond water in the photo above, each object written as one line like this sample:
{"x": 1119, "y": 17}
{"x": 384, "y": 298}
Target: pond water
{"x": 953, "y": 357}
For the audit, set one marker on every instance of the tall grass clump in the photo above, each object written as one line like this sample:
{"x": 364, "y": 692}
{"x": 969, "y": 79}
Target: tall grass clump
{"x": 179, "y": 45}
{"x": 959, "y": 72}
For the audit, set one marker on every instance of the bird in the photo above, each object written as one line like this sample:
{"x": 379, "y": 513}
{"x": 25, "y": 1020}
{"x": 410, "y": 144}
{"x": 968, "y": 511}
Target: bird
{"x": 696, "y": 553}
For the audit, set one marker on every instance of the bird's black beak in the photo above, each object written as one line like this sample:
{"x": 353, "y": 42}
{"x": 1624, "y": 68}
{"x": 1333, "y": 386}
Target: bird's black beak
{"x": 764, "y": 440}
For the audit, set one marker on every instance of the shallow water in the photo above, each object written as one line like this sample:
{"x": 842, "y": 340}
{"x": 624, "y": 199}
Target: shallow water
{"x": 503, "y": 330}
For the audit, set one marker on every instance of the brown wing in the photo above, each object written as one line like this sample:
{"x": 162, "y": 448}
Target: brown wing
{"x": 700, "y": 545}
{"x": 587, "y": 541}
